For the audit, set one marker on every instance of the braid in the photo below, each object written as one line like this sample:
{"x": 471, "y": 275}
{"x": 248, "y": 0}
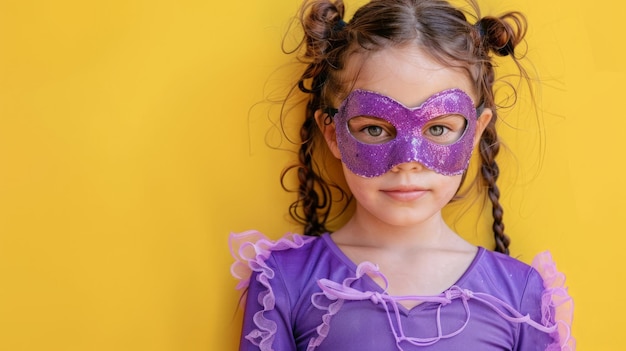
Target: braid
{"x": 309, "y": 181}
{"x": 489, "y": 148}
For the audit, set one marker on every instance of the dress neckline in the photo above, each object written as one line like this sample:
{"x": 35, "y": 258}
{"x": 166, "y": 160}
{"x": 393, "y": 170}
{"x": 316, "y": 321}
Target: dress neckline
{"x": 373, "y": 286}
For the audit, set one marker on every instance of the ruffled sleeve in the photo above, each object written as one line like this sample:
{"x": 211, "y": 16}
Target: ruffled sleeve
{"x": 266, "y": 324}
{"x": 557, "y": 306}
{"x": 250, "y": 249}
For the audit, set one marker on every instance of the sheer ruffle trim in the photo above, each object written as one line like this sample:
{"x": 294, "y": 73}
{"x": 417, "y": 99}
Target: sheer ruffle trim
{"x": 556, "y": 304}
{"x": 251, "y": 249}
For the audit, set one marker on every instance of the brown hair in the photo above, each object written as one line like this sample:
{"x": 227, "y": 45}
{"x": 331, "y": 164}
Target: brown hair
{"x": 434, "y": 25}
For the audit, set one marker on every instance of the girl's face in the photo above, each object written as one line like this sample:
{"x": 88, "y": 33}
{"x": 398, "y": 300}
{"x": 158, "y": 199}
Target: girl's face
{"x": 408, "y": 192}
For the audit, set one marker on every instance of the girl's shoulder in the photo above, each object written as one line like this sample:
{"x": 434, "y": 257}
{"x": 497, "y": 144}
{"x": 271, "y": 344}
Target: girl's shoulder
{"x": 502, "y": 272}
{"x": 501, "y": 262}
{"x": 539, "y": 283}
{"x": 253, "y": 251}
{"x": 505, "y": 268}
{"x": 501, "y": 268}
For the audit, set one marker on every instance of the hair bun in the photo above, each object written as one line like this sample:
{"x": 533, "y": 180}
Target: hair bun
{"x": 502, "y": 34}
{"x": 321, "y": 20}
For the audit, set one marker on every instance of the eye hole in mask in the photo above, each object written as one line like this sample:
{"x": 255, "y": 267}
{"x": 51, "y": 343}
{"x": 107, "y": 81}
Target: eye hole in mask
{"x": 371, "y": 130}
{"x": 442, "y": 130}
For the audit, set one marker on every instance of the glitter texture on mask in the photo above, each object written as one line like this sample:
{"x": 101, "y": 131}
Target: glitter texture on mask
{"x": 372, "y": 160}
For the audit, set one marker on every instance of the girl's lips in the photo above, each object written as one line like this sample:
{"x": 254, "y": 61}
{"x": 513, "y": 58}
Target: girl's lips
{"x": 405, "y": 194}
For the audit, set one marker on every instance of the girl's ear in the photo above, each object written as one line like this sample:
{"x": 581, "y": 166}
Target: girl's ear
{"x": 481, "y": 123}
{"x": 328, "y": 130}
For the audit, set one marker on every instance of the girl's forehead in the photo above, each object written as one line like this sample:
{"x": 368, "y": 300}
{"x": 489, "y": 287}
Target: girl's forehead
{"x": 405, "y": 73}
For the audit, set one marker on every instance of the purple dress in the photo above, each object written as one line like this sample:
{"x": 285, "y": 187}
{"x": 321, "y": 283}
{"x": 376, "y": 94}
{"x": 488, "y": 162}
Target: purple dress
{"x": 303, "y": 293}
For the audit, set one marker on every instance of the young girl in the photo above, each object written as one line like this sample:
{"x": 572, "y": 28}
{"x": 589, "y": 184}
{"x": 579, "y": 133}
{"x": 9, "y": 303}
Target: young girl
{"x": 401, "y": 95}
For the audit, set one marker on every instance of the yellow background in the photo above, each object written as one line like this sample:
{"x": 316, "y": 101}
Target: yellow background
{"x": 133, "y": 140}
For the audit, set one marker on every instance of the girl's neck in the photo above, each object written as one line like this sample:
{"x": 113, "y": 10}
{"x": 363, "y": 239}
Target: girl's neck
{"x": 368, "y": 231}
{"x": 424, "y": 258}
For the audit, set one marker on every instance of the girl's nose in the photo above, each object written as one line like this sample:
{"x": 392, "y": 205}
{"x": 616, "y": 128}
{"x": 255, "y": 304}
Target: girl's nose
{"x": 408, "y": 166}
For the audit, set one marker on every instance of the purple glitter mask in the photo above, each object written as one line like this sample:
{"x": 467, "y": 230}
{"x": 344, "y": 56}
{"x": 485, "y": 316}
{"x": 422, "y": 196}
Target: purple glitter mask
{"x": 410, "y": 143}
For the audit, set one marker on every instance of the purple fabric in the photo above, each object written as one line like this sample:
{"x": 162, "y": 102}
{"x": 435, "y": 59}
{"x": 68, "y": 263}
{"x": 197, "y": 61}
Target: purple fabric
{"x": 305, "y": 294}
{"x": 372, "y": 160}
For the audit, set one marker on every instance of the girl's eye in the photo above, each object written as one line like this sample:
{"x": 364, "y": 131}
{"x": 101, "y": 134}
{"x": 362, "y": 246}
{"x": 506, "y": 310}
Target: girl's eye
{"x": 445, "y": 129}
{"x": 437, "y": 130}
{"x": 371, "y": 130}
